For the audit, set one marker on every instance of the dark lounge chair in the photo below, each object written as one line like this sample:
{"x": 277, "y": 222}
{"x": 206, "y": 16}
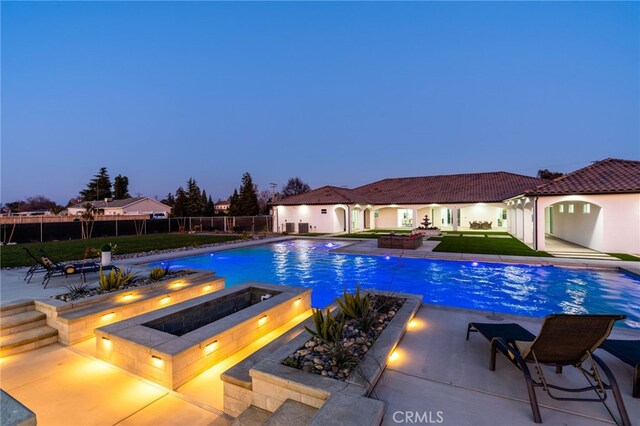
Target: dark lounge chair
{"x": 36, "y": 267}
{"x": 54, "y": 268}
{"x": 564, "y": 340}
{"x": 627, "y": 351}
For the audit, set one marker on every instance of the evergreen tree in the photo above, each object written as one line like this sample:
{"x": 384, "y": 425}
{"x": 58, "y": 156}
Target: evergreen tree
{"x": 248, "y": 198}
{"x": 194, "y": 205}
{"x": 204, "y": 211}
{"x": 169, "y": 200}
{"x": 180, "y": 203}
{"x": 121, "y": 187}
{"x": 99, "y": 187}
{"x": 210, "y": 209}
{"x": 234, "y": 204}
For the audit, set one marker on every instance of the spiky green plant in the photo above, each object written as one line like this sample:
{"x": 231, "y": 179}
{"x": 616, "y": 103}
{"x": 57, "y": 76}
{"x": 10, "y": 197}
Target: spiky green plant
{"x": 342, "y": 356}
{"x": 329, "y": 328}
{"x": 355, "y": 305}
{"x": 358, "y": 307}
{"x": 115, "y": 279}
{"x": 77, "y": 288}
{"x": 157, "y": 273}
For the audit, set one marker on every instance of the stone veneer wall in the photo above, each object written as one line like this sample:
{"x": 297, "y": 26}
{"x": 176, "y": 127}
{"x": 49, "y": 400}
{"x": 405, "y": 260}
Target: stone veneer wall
{"x": 77, "y": 320}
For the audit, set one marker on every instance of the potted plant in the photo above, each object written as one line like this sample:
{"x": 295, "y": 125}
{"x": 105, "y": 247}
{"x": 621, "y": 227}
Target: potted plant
{"x": 426, "y": 230}
{"x": 105, "y": 254}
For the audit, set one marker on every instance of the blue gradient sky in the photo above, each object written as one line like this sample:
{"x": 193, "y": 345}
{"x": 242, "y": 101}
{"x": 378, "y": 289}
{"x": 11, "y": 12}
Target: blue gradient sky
{"x": 335, "y": 93}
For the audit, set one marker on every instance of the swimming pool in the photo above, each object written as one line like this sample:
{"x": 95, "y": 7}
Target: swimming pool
{"x": 513, "y": 289}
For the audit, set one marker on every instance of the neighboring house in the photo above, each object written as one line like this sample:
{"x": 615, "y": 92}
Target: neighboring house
{"x": 596, "y": 207}
{"x": 127, "y": 206}
{"x": 221, "y": 207}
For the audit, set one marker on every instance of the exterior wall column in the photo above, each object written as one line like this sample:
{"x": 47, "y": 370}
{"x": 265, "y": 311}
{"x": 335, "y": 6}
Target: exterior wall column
{"x": 416, "y": 220}
{"x": 541, "y": 223}
{"x": 454, "y": 217}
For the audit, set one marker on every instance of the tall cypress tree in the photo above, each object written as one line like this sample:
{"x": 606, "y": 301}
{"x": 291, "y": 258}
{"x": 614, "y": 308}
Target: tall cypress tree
{"x": 234, "y": 204}
{"x": 248, "y": 201}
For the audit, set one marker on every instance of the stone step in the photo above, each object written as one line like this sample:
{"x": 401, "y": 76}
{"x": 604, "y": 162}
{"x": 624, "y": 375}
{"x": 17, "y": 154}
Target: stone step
{"x": 291, "y": 413}
{"x": 22, "y": 321}
{"x": 27, "y": 340}
{"x": 16, "y": 308}
{"x": 252, "y": 416}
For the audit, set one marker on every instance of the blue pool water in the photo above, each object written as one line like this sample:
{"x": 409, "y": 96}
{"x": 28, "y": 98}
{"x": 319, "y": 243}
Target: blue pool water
{"x": 515, "y": 289}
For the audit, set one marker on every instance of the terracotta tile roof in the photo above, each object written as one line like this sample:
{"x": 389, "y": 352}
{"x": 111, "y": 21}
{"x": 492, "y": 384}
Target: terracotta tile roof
{"x": 443, "y": 189}
{"x": 324, "y": 195}
{"x": 608, "y": 176}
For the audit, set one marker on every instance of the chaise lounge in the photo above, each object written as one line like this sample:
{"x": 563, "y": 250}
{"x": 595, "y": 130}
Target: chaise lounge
{"x": 564, "y": 340}
{"x": 627, "y": 351}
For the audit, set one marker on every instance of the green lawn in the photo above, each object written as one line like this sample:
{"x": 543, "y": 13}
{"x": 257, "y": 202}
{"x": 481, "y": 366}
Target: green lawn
{"x": 61, "y": 251}
{"x": 625, "y": 256}
{"x": 477, "y": 232}
{"x": 502, "y": 246}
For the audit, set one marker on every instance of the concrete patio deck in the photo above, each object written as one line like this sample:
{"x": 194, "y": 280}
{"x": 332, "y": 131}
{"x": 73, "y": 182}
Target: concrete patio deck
{"x": 436, "y": 370}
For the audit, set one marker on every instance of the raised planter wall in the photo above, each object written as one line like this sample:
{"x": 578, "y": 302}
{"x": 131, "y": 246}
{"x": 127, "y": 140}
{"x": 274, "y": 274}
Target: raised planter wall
{"x": 405, "y": 242}
{"x": 270, "y": 382}
{"x": 171, "y": 360}
{"x": 77, "y": 320}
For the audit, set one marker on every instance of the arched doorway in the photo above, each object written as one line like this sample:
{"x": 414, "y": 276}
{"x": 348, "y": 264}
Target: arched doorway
{"x": 366, "y": 216}
{"x": 575, "y": 221}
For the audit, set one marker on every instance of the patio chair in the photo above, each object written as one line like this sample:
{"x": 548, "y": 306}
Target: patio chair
{"x": 627, "y": 351}
{"x": 54, "y": 268}
{"x": 563, "y": 340}
{"x": 36, "y": 267}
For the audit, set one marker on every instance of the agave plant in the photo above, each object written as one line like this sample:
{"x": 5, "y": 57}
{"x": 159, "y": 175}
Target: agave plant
{"x": 329, "y": 328}
{"x": 355, "y": 305}
{"x": 115, "y": 279}
{"x": 158, "y": 273}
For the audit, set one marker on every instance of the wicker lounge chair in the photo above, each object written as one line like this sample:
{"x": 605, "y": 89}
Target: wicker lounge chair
{"x": 627, "y": 351}
{"x": 564, "y": 340}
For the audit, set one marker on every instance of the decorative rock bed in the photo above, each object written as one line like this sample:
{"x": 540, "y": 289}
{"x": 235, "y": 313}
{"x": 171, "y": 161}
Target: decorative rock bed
{"x": 263, "y": 381}
{"x": 317, "y": 356}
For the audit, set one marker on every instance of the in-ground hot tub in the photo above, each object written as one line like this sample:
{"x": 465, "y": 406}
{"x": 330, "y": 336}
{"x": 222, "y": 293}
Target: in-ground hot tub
{"x": 172, "y": 345}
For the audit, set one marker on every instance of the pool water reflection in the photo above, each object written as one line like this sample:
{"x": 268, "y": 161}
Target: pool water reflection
{"x": 515, "y": 289}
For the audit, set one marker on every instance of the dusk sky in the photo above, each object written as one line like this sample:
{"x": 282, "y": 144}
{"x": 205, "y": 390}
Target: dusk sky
{"x": 336, "y": 93}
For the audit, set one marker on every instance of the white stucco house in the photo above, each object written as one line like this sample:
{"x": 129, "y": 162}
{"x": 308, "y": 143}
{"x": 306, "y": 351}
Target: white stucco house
{"x": 127, "y": 206}
{"x": 604, "y": 200}
{"x": 597, "y": 207}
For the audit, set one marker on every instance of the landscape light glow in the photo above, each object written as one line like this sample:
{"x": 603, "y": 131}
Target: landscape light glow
{"x": 262, "y": 320}
{"x": 108, "y": 316}
{"x": 208, "y": 349}
{"x": 157, "y": 361}
{"x": 165, "y": 299}
{"x": 127, "y": 296}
